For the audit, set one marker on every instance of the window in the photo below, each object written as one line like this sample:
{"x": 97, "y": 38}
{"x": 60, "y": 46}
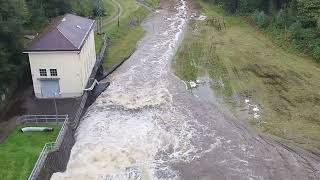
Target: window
{"x": 53, "y": 72}
{"x": 43, "y": 72}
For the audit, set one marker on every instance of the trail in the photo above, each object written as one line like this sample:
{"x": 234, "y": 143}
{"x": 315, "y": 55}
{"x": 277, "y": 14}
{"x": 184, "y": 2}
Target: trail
{"x": 146, "y": 125}
{"x": 115, "y": 16}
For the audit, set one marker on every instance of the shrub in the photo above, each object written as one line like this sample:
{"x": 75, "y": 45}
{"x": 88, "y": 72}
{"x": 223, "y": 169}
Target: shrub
{"x": 295, "y": 30}
{"x": 279, "y": 19}
{"x": 260, "y": 18}
{"x": 316, "y": 53}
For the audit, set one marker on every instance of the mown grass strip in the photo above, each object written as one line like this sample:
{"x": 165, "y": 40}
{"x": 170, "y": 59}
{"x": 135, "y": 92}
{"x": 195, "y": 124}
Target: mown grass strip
{"x": 20, "y": 151}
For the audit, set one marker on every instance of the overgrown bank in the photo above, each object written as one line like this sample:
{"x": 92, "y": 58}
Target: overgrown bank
{"x": 125, "y": 32}
{"x": 293, "y": 24}
{"x": 245, "y": 64}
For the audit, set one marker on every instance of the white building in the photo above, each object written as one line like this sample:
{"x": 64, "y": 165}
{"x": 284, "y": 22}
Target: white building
{"x": 62, "y": 57}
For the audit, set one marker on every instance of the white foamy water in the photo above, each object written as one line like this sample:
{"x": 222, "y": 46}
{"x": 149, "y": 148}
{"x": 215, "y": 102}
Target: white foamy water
{"x": 132, "y": 131}
{"x": 147, "y": 126}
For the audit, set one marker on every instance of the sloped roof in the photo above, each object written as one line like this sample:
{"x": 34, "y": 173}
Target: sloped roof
{"x": 67, "y": 33}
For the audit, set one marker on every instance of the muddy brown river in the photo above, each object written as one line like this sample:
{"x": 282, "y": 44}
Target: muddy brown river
{"x": 146, "y": 125}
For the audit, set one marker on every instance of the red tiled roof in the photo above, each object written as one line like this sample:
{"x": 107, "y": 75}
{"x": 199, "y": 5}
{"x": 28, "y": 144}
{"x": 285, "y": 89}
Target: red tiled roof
{"x": 67, "y": 33}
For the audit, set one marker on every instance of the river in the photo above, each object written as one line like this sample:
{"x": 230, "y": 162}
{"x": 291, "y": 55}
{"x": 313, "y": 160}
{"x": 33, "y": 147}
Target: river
{"x": 146, "y": 125}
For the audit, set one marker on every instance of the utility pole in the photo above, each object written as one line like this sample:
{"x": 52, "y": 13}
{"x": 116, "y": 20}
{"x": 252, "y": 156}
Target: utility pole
{"x": 99, "y": 14}
{"x": 55, "y": 106}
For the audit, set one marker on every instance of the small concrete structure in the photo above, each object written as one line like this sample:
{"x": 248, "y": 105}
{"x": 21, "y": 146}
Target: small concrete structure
{"x": 62, "y": 57}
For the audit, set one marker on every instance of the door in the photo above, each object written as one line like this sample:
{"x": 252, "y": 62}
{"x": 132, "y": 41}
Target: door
{"x": 50, "y": 88}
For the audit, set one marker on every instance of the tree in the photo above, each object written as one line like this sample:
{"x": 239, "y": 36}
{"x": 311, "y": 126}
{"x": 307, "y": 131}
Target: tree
{"x": 308, "y": 11}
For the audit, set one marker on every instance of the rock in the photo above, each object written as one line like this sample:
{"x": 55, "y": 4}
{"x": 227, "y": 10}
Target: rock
{"x": 256, "y": 109}
{"x": 256, "y": 116}
{"x": 193, "y": 84}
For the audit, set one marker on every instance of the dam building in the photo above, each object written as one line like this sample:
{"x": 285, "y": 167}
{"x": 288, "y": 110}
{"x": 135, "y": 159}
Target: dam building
{"x": 62, "y": 57}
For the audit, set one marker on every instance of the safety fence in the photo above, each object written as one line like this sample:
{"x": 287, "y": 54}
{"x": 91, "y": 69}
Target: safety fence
{"x": 37, "y": 119}
{"x": 49, "y": 147}
{"x": 55, "y": 156}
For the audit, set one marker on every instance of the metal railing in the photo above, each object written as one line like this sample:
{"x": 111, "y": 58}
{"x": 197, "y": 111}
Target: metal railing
{"x": 76, "y": 119}
{"x": 48, "y": 147}
{"x": 67, "y": 124}
{"x": 74, "y": 124}
{"x": 36, "y": 119}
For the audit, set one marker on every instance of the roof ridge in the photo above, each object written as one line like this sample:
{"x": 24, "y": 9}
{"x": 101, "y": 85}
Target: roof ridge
{"x": 65, "y": 36}
{"x": 84, "y": 38}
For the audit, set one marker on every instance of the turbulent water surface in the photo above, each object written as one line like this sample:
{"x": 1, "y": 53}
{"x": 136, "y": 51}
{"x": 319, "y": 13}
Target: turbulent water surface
{"x": 146, "y": 125}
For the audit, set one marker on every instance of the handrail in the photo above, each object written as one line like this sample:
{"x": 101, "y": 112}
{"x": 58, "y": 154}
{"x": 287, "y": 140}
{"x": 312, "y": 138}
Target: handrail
{"x": 41, "y": 119}
{"x": 48, "y": 147}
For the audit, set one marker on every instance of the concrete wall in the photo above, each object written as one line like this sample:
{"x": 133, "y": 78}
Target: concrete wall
{"x": 74, "y": 68}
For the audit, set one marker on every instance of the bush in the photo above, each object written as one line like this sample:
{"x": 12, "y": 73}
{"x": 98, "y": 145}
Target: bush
{"x": 279, "y": 20}
{"x": 316, "y": 53}
{"x": 260, "y": 18}
{"x": 295, "y": 30}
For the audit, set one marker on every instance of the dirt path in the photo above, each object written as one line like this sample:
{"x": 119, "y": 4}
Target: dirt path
{"x": 115, "y": 16}
{"x": 147, "y": 7}
{"x": 148, "y": 126}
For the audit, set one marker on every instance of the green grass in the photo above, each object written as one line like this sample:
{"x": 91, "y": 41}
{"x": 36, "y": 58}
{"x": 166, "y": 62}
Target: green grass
{"x": 98, "y": 41}
{"x": 110, "y": 8}
{"x": 125, "y": 37}
{"x": 251, "y": 65}
{"x": 110, "y": 12}
{"x": 152, "y": 3}
{"x": 20, "y": 151}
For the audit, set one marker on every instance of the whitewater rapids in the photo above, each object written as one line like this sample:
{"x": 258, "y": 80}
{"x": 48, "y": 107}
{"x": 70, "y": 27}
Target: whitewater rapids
{"x": 146, "y": 125}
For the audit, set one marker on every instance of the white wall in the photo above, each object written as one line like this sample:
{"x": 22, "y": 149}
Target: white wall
{"x": 87, "y": 59}
{"x": 67, "y": 65}
{"x": 74, "y": 68}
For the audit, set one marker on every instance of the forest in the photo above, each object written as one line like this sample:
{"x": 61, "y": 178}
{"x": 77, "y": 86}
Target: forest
{"x": 19, "y": 18}
{"x": 293, "y": 23}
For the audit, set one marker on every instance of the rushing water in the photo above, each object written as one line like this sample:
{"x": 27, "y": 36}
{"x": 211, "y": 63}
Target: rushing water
{"x": 146, "y": 125}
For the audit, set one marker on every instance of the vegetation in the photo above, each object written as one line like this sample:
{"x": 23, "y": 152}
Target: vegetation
{"x": 20, "y": 151}
{"x": 243, "y": 63}
{"x": 27, "y": 17}
{"x": 293, "y": 23}
{"x": 152, "y": 3}
{"x": 125, "y": 36}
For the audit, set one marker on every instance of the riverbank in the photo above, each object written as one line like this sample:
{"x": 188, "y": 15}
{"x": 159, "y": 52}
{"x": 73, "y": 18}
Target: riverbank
{"x": 273, "y": 90}
{"x": 124, "y": 31}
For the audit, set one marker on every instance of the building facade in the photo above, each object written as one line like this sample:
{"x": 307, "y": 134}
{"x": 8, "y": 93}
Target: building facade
{"x": 62, "y": 58}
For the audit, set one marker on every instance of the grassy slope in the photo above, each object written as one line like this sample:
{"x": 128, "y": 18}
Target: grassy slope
{"x": 19, "y": 152}
{"x": 110, "y": 12}
{"x": 152, "y": 3}
{"x": 124, "y": 37}
{"x": 250, "y": 65}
